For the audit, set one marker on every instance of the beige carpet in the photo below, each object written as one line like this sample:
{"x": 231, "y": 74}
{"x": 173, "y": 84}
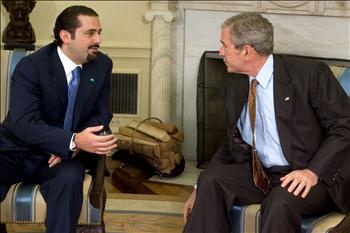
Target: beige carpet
{"x": 116, "y": 222}
{"x": 188, "y": 177}
{"x": 145, "y": 203}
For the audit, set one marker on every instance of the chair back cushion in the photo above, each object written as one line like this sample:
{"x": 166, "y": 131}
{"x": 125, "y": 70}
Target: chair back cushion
{"x": 9, "y": 60}
{"x": 343, "y": 76}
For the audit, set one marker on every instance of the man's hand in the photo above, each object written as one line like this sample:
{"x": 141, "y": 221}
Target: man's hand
{"x": 88, "y": 140}
{"x": 299, "y": 180}
{"x": 189, "y": 205}
{"x": 54, "y": 160}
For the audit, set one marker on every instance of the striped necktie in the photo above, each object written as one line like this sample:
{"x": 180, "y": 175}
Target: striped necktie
{"x": 261, "y": 181}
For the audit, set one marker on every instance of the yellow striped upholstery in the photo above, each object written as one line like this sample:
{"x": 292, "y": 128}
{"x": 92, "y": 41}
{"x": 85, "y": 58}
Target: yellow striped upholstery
{"x": 33, "y": 207}
{"x": 251, "y": 218}
{"x": 337, "y": 70}
{"x": 246, "y": 219}
{"x": 327, "y": 223}
{"x": 343, "y": 76}
{"x": 24, "y": 204}
{"x": 9, "y": 60}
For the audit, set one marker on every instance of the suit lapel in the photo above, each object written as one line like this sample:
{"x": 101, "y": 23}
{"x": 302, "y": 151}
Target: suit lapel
{"x": 86, "y": 88}
{"x": 58, "y": 77}
{"x": 283, "y": 100}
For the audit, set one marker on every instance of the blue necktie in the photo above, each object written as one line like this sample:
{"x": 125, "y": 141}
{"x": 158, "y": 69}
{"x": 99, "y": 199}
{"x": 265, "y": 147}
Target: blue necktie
{"x": 72, "y": 94}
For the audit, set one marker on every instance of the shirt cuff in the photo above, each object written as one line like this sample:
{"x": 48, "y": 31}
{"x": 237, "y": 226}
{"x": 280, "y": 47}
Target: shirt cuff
{"x": 73, "y": 146}
{"x": 195, "y": 186}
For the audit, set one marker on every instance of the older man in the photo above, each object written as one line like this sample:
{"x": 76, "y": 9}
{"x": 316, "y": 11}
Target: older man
{"x": 288, "y": 138}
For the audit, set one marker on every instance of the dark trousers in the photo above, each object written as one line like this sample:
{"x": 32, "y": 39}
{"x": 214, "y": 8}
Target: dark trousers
{"x": 221, "y": 187}
{"x": 61, "y": 186}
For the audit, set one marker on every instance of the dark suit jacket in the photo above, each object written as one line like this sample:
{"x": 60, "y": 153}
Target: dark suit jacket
{"x": 38, "y": 103}
{"x": 313, "y": 124}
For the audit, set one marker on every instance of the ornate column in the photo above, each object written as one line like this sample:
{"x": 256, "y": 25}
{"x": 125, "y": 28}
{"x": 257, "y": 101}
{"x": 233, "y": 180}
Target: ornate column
{"x": 161, "y": 17}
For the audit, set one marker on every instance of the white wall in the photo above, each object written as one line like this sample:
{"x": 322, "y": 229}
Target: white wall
{"x": 122, "y": 21}
{"x": 126, "y": 37}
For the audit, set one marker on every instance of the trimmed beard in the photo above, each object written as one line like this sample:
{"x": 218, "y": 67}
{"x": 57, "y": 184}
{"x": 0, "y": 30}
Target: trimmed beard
{"x": 91, "y": 57}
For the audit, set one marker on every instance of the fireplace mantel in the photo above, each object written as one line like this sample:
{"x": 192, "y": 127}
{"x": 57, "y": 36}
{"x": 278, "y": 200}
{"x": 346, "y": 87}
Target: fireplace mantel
{"x": 320, "y": 8}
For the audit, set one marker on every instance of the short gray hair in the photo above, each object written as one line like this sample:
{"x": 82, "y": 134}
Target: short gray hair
{"x": 253, "y": 29}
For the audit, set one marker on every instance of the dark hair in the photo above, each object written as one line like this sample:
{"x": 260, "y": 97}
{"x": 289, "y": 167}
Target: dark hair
{"x": 68, "y": 20}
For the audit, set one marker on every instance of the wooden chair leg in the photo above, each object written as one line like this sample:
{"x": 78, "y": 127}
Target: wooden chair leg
{"x": 3, "y": 228}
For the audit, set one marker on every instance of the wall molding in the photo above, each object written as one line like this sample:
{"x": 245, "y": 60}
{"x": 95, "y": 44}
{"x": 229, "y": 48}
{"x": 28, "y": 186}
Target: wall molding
{"x": 317, "y": 8}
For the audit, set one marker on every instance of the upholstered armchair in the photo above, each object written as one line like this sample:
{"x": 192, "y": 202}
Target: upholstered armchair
{"x": 246, "y": 219}
{"x": 23, "y": 203}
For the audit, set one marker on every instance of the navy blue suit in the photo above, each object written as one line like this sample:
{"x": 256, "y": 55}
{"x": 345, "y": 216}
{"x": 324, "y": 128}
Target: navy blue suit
{"x": 32, "y": 129}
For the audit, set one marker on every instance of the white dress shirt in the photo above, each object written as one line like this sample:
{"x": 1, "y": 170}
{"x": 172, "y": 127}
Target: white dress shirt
{"x": 68, "y": 66}
{"x": 266, "y": 135}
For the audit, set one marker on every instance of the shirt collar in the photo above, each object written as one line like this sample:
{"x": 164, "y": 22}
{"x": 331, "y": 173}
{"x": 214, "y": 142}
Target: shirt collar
{"x": 265, "y": 74}
{"x": 68, "y": 64}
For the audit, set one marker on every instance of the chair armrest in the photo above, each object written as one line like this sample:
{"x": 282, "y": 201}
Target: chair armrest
{"x": 343, "y": 226}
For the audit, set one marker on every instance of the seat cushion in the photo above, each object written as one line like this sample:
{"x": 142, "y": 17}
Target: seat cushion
{"x": 25, "y": 204}
{"x": 247, "y": 219}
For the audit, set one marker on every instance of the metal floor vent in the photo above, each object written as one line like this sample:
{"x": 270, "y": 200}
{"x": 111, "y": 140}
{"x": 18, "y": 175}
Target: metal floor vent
{"x": 124, "y": 93}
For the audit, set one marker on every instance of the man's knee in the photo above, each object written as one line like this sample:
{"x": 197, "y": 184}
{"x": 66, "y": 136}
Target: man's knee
{"x": 209, "y": 177}
{"x": 279, "y": 199}
{"x": 280, "y": 204}
{"x": 70, "y": 174}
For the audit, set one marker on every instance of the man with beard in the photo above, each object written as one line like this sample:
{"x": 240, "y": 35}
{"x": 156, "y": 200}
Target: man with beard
{"x": 60, "y": 101}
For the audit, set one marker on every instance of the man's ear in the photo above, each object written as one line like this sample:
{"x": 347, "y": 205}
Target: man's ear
{"x": 248, "y": 48}
{"x": 65, "y": 36}
{"x": 247, "y": 51}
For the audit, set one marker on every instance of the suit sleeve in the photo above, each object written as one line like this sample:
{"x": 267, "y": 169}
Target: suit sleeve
{"x": 24, "y": 120}
{"x": 332, "y": 107}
